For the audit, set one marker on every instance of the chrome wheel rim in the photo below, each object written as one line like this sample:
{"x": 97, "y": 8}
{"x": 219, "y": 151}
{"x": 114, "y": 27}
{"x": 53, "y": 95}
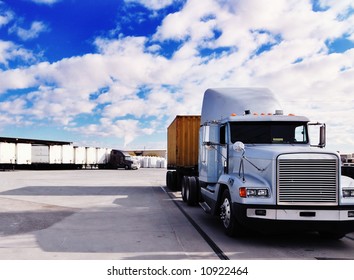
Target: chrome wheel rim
{"x": 226, "y": 212}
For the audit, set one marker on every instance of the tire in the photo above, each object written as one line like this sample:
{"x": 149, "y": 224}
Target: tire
{"x": 231, "y": 226}
{"x": 173, "y": 180}
{"x": 184, "y": 186}
{"x": 193, "y": 192}
{"x": 199, "y": 198}
{"x": 168, "y": 179}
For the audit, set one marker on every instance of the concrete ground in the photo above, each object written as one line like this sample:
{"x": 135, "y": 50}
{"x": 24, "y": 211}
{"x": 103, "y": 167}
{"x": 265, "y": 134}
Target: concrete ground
{"x": 93, "y": 214}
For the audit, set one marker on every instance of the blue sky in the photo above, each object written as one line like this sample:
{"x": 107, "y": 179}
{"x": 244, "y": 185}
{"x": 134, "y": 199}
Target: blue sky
{"x": 114, "y": 73}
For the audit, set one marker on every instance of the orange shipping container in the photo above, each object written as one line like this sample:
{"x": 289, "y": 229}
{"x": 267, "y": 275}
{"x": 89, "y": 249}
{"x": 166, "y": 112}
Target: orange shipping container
{"x": 182, "y": 142}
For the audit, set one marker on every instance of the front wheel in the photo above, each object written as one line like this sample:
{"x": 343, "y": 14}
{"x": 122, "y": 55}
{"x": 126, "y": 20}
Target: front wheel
{"x": 228, "y": 218}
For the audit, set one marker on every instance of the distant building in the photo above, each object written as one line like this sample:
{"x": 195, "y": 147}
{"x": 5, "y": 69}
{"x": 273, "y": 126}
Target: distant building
{"x": 150, "y": 152}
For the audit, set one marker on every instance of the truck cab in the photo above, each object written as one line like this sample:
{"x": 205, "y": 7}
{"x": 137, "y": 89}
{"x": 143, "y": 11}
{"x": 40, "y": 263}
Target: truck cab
{"x": 257, "y": 168}
{"x": 121, "y": 159}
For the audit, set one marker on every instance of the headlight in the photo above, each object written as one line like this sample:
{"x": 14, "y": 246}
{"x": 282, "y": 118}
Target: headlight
{"x": 251, "y": 192}
{"x": 348, "y": 193}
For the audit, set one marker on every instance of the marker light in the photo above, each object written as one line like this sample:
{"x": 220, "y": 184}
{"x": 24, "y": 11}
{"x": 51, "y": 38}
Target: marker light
{"x": 233, "y": 115}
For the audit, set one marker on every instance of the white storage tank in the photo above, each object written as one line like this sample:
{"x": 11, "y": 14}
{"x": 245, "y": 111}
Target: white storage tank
{"x": 163, "y": 163}
{"x": 145, "y": 162}
{"x": 152, "y": 162}
{"x": 7, "y": 153}
{"x": 23, "y": 153}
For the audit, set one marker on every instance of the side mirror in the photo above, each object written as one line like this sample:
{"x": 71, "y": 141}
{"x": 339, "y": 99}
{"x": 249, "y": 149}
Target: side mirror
{"x": 238, "y": 146}
{"x": 322, "y": 142}
{"x": 321, "y": 136}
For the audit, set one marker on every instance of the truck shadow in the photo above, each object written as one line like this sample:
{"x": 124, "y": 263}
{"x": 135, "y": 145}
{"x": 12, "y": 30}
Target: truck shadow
{"x": 13, "y": 223}
{"x": 70, "y": 191}
{"x": 134, "y": 221}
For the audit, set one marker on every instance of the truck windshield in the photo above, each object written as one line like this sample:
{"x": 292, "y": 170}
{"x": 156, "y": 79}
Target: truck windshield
{"x": 269, "y": 132}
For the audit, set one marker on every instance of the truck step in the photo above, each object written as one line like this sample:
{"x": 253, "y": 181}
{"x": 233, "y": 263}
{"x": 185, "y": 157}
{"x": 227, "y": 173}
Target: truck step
{"x": 205, "y": 207}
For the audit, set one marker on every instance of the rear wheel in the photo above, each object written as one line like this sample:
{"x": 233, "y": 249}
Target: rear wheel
{"x": 173, "y": 180}
{"x": 168, "y": 179}
{"x": 193, "y": 191}
{"x": 184, "y": 187}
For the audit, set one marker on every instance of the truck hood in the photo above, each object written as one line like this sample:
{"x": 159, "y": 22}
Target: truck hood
{"x": 271, "y": 152}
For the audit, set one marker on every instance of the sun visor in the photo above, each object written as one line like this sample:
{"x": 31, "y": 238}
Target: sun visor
{"x": 220, "y": 103}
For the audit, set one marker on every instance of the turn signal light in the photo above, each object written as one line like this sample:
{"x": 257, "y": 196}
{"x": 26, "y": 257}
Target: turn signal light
{"x": 243, "y": 192}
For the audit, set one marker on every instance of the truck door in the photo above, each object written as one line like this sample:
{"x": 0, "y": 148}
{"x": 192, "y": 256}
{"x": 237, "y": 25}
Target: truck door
{"x": 222, "y": 155}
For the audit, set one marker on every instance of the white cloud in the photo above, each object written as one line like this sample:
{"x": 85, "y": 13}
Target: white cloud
{"x": 126, "y": 129}
{"x": 294, "y": 63}
{"x": 191, "y": 22}
{"x": 10, "y": 51}
{"x": 16, "y": 79}
{"x": 56, "y": 105}
{"x": 33, "y": 32}
{"x": 5, "y": 17}
{"x": 45, "y": 2}
{"x": 153, "y": 4}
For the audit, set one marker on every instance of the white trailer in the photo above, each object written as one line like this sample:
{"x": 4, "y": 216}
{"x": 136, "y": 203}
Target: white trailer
{"x": 101, "y": 155}
{"x": 7, "y": 153}
{"x": 79, "y": 155}
{"x": 55, "y": 154}
{"x": 67, "y": 154}
{"x": 91, "y": 156}
{"x": 23, "y": 153}
{"x": 40, "y": 154}
{"x": 45, "y": 154}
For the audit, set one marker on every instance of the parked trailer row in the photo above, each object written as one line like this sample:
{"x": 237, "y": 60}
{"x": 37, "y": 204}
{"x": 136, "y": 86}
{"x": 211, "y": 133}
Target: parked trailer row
{"x": 66, "y": 156}
{"x": 24, "y": 154}
{"x": 12, "y": 153}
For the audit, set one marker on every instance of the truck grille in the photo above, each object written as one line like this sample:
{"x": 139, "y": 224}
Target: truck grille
{"x": 307, "y": 181}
